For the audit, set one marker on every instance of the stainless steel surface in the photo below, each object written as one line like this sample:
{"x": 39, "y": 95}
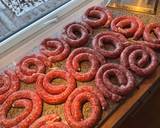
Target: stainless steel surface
{"x": 147, "y": 6}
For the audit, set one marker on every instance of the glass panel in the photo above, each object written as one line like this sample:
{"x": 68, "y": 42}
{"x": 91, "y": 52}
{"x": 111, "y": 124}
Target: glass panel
{"x": 17, "y": 14}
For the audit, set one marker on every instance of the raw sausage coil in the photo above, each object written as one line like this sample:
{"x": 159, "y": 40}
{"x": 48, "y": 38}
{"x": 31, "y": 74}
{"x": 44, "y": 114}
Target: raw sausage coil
{"x": 49, "y": 121}
{"x": 76, "y": 34}
{"x": 114, "y": 91}
{"x": 9, "y": 83}
{"x": 55, "y": 49}
{"x": 115, "y": 39}
{"x": 74, "y": 103}
{"x": 55, "y": 94}
{"x": 153, "y": 42}
{"x": 97, "y": 16}
{"x": 84, "y": 54}
{"x": 27, "y": 99}
{"x": 129, "y": 26}
{"x": 140, "y": 59}
{"x": 24, "y": 69}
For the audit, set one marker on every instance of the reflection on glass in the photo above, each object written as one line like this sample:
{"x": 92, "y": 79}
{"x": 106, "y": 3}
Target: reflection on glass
{"x": 19, "y": 7}
{"x": 17, "y": 14}
{"x": 147, "y": 6}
